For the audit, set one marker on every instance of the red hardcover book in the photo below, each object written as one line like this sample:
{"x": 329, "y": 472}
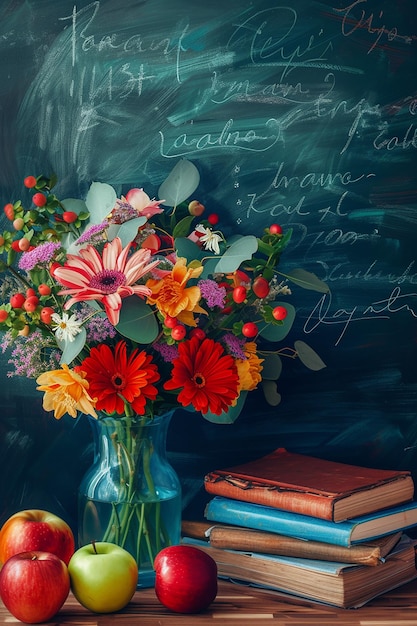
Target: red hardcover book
{"x": 311, "y": 486}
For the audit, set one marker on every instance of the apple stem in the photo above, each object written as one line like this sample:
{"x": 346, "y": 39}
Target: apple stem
{"x": 34, "y": 557}
{"x": 93, "y": 543}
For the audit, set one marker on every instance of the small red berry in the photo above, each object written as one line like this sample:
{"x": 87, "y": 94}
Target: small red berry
{"x": 17, "y": 300}
{"x": 30, "y": 304}
{"x": 198, "y": 332}
{"x": 280, "y": 312}
{"x": 3, "y": 315}
{"x": 178, "y": 332}
{"x": 239, "y": 294}
{"x": 260, "y": 287}
{"x": 249, "y": 329}
{"x": 275, "y": 229}
{"x": 29, "y": 182}
{"x": 69, "y": 217}
{"x": 44, "y": 289}
{"x": 46, "y": 314}
{"x": 9, "y": 211}
{"x": 170, "y": 322}
{"x": 213, "y": 219}
{"x": 15, "y": 245}
{"x": 39, "y": 199}
{"x": 30, "y": 292}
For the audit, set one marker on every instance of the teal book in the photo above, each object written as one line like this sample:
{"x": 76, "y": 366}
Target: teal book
{"x": 346, "y": 533}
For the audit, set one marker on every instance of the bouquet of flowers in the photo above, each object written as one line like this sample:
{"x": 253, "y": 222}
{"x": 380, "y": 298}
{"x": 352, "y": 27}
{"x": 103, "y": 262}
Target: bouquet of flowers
{"x": 128, "y": 307}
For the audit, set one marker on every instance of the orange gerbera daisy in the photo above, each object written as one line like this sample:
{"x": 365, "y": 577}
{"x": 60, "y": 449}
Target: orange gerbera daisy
{"x": 172, "y": 296}
{"x": 107, "y": 279}
{"x": 207, "y": 377}
{"x": 116, "y": 378}
{"x": 249, "y": 369}
{"x": 66, "y": 392}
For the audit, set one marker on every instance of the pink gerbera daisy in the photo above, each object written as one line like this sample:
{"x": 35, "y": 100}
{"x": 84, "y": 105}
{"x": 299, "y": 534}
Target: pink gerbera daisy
{"x": 107, "y": 278}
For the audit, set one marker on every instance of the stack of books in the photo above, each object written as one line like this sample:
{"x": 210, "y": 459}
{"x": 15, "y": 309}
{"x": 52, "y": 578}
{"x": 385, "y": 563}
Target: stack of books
{"x": 318, "y": 529}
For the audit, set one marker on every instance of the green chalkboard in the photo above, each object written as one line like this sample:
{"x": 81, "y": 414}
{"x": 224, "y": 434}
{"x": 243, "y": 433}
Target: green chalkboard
{"x": 301, "y": 112}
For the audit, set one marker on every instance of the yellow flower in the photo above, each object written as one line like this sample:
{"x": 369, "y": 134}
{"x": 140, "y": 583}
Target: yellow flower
{"x": 249, "y": 369}
{"x": 66, "y": 392}
{"x": 172, "y": 296}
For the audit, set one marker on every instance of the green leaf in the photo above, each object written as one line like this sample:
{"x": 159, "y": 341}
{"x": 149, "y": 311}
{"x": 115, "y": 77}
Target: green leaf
{"x": 308, "y": 356}
{"x": 74, "y": 204}
{"x": 182, "y": 181}
{"x": 272, "y": 396}
{"x": 271, "y": 332}
{"x": 209, "y": 266}
{"x": 100, "y": 200}
{"x": 238, "y": 252}
{"x": 307, "y": 280}
{"x": 128, "y": 230}
{"x": 137, "y": 321}
{"x": 186, "y": 248}
{"x": 231, "y": 415}
{"x": 271, "y": 367}
{"x": 71, "y": 349}
{"x": 182, "y": 229}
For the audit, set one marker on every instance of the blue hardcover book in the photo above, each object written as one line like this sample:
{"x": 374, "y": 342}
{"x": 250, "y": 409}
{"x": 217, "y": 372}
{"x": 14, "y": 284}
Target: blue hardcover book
{"x": 347, "y": 533}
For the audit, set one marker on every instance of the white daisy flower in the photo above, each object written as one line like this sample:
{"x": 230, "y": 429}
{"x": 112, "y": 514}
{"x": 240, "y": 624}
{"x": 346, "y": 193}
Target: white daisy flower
{"x": 66, "y": 328}
{"x": 209, "y": 239}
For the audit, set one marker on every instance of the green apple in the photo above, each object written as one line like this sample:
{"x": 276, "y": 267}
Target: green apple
{"x": 103, "y": 576}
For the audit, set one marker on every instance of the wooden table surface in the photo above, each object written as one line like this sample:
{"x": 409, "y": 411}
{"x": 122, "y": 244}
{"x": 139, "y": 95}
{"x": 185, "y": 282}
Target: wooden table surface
{"x": 236, "y": 605}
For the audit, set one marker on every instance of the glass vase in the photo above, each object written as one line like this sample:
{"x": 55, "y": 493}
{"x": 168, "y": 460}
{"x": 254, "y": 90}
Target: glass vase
{"x": 131, "y": 496}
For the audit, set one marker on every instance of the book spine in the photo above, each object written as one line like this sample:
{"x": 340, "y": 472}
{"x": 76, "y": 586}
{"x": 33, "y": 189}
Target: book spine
{"x": 268, "y": 543}
{"x": 296, "y": 502}
{"x": 258, "y": 517}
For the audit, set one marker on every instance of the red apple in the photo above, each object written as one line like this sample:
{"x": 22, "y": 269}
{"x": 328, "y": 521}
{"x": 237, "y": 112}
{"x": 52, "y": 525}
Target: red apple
{"x": 34, "y": 585}
{"x": 35, "y": 529}
{"x": 186, "y": 579}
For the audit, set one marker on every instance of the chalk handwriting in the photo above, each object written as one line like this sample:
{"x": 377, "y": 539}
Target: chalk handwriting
{"x": 371, "y": 273}
{"x": 277, "y": 45}
{"x": 366, "y": 21}
{"x": 251, "y": 140}
{"x": 408, "y": 140}
{"x": 395, "y": 303}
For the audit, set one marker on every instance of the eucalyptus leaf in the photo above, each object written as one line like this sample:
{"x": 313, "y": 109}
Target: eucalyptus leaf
{"x": 100, "y": 201}
{"x": 307, "y": 280}
{"x": 271, "y": 393}
{"x": 271, "y": 367}
{"x": 137, "y": 321}
{"x": 188, "y": 249}
{"x": 308, "y": 356}
{"x": 74, "y": 204}
{"x": 239, "y": 251}
{"x": 71, "y": 349}
{"x": 230, "y": 416}
{"x": 128, "y": 230}
{"x": 273, "y": 332}
{"x": 182, "y": 181}
{"x": 209, "y": 266}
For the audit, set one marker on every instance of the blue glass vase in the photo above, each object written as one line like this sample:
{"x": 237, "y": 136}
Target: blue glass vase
{"x": 131, "y": 495}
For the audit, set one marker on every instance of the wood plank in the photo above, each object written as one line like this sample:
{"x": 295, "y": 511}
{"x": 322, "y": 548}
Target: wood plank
{"x": 237, "y": 605}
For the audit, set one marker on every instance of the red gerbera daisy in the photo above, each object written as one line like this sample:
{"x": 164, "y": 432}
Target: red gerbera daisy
{"x": 116, "y": 378}
{"x": 207, "y": 377}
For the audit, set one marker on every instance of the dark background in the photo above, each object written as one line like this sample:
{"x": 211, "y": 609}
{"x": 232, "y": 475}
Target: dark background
{"x": 302, "y": 113}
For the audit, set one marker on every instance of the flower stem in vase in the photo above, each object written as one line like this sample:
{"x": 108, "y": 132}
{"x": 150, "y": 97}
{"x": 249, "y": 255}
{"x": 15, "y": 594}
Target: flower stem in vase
{"x": 132, "y": 479}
